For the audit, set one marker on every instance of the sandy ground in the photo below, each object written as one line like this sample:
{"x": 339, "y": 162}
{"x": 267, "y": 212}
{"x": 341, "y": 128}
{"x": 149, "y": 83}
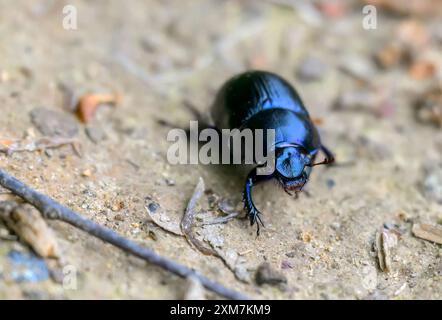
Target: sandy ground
{"x": 158, "y": 54}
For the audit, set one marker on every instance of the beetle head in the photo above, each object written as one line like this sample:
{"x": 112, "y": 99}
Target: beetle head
{"x": 291, "y": 166}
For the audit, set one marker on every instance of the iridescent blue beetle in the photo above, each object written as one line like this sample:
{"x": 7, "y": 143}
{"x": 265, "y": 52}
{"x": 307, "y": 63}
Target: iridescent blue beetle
{"x": 264, "y": 100}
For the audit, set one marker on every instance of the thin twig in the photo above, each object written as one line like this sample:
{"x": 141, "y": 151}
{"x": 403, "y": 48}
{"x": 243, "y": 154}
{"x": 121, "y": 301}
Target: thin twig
{"x": 220, "y": 220}
{"x": 50, "y": 209}
{"x": 10, "y": 146}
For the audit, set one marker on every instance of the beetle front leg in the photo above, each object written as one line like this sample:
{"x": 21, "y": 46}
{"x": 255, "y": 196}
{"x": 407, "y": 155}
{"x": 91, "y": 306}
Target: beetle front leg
{"x": 329, "y": 157}
{"x": 252, "y": 213}
{"x": 203, "y": 120}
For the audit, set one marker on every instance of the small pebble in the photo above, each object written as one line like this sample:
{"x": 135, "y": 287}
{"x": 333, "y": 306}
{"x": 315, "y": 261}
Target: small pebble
{"x": 335, "y": 225}
{"x": 4, "y": 76}
{"x": 68, "y": 97}
{"x": 153, "y": 207}
{"x": 286, "y": 265}
{"x": 153, "y": 235}
{"x": 242, "y": 273}
{"x": 27, "y": 267}
{"x": 49, "y": 153}
{"x": 330, "y": 183}
{"x": 6, "y": 235}
{"x": 119, "y": 217}
{"x": 429, "y": 107}
{"x": 89, "y": 193}
{"x": 291, "y": 254}
{"x": 57, "y": 275}
{"x": 53, "y": 123}
{"x": 268, "y": 275}
{"x": 117, "y": 206}
{"x": 87, "y": 173}
{"x": 311, "y": 69}
{"x": 357, "y": 100}
{"x": 305, "y": 236}
{"x": 388, "y": 56}
{"x": 358, "y": 67}
{"x": 170, "y": 182}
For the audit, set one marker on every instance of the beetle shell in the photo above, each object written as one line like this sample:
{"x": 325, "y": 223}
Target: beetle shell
{"x": 264, "y": 100}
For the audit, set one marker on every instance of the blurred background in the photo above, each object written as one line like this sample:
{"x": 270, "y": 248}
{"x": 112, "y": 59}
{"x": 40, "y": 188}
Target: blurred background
{"x": 98, "y": 74}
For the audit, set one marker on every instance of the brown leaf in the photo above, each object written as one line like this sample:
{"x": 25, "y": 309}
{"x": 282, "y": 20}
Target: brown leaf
{"x": 88, "y": 104}
{"x": 187, "y": 221}
{"x": 428, "y": 232}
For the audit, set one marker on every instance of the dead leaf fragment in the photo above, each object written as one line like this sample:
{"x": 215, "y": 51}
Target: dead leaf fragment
{"x": 158, "y": 216}
{"x": 187, "y": 223}
{"x": 88, "y": 104}
{"x": 385, "y": 241}
{"x": 220, "y": 220}
{"x": 31, "y": 228}
{"x": 428, "y": 232}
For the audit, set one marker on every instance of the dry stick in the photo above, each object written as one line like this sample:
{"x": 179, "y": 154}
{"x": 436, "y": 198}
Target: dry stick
{"x": 220, "y": 220}
{"x": 51, "y": 209}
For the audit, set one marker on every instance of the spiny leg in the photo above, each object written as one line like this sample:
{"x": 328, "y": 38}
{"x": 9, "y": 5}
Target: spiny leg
{"x": 252, "y": 213}
{"x": 329, "y": 157}
{"x": 203, "y": 121}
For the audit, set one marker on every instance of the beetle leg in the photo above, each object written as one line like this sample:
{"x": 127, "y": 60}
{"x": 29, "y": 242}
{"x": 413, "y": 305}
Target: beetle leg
{"x": 204, "y": 122}
{"x": 166, "y": 123}
{"x": 202, "y": 119}
{"x": 251, "y": 212}
{"x": 329, "y": 157}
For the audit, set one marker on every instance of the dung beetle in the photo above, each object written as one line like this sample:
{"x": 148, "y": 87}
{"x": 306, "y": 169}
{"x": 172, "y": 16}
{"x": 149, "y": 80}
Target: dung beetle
{"x": 260, "y": 99}
{"x": 263, "y": 100}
